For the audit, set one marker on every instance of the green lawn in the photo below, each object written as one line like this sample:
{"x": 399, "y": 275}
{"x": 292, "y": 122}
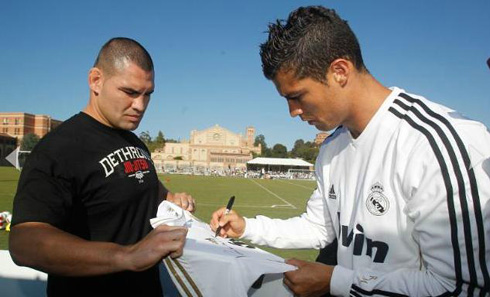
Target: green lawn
{"x": 8, "y": 185}
{"x": 274, "y": 198}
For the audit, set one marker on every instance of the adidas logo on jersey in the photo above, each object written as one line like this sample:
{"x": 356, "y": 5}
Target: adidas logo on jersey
{"x": 331, "y": 193}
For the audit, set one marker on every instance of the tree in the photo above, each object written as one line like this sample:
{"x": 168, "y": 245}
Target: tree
{"x": 148, "y": 141}
{"x": 260, "y": 139}
{"x": 29, "y": 142}
{"x": 279, "y": 151}
{"x": 160, "y": 140}
{"x": 160, "y": 137}
{"x": 307, "y": 151}
{"x": 266, "y": 153}
{"x": 298, "y": 144}
{"x": 145, "y": 137}
{"x": 311, "y": 152}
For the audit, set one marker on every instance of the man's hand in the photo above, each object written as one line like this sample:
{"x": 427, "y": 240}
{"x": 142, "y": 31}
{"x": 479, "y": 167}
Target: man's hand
{"x": 49, "y": 249}
{"x": 184, "y": 200}
{"x": 163, "y": 241}
{"x": 310, "y": 279}
{"x": 233, "y": 224}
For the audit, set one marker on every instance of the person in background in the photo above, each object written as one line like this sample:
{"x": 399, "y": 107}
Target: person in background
{"x": 403, "y": 183}
{"x": 89, "y": 188}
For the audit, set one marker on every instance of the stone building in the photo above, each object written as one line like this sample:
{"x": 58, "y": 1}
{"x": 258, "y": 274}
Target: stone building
{"x": 320, "y": 137}
{"x": 215, "y": 148}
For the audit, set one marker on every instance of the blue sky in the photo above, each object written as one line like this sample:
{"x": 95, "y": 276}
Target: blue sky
{"x": 208, "y": 68}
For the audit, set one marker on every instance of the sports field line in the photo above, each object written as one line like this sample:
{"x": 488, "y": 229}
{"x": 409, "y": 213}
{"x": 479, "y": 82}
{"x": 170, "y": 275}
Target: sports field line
{"x": 238, "y": 205}
{"x": 295, "y": 184}
{"x": 269, "y": 191}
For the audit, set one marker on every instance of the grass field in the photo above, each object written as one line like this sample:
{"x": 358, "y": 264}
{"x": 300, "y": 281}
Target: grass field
{"x": 8, "y": 185}
{"x": 274, "y": 198}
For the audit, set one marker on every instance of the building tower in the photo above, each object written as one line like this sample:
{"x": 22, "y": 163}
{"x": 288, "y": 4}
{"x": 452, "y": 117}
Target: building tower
{"x": 250, "y": 136}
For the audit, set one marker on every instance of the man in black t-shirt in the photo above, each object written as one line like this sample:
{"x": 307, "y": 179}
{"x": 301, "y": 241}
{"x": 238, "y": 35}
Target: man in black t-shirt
{"x": 89, "y": 188}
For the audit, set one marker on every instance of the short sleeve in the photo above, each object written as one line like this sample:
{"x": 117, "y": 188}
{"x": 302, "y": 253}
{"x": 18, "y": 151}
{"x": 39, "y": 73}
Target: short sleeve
{"x": 44, "y": 193}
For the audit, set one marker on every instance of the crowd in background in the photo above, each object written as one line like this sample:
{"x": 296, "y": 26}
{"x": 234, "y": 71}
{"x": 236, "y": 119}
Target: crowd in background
{"x": 244, "y": 173}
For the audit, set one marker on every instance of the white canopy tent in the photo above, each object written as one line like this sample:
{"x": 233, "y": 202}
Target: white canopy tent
{"x": 278, "y": 164}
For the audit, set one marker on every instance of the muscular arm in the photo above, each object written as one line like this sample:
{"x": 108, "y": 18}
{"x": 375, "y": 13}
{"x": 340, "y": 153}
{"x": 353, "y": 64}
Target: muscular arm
{"x": 49, "y": 249}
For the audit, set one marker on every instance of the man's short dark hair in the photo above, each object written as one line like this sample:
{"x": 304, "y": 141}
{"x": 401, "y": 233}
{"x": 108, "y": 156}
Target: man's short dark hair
{"x": 311, "y": 39}
{"x": 118, "y": 49}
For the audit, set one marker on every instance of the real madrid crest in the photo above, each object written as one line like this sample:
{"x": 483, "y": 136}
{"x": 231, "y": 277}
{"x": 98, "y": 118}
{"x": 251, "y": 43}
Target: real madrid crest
{"x": 376, "y": 202}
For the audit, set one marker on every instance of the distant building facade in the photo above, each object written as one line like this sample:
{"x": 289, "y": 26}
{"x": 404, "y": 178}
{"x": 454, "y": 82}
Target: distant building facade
{"x": 18, "y": 124}
{"x": 320, "y": 137}
{"x": 215, "y": 148}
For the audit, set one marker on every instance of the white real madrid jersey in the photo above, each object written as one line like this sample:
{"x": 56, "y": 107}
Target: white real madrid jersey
{"x": 215, "y": 266}
{"x": 408, "y": 201}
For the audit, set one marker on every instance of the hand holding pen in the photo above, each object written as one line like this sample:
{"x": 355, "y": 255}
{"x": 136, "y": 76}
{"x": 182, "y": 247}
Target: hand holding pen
{"x": 227, "y": 211}
{"x": 228, "y": 220}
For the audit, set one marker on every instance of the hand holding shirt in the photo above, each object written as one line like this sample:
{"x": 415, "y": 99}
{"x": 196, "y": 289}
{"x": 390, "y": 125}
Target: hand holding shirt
{"x": 212, "y": 266}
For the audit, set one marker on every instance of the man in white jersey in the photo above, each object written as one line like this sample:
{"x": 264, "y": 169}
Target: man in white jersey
{"x": 403, "y": 183}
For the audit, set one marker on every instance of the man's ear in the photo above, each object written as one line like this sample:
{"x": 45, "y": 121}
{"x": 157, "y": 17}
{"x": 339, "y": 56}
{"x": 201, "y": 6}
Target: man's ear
{"x": 340, "y": 70}
{"x": 95, "y": 80}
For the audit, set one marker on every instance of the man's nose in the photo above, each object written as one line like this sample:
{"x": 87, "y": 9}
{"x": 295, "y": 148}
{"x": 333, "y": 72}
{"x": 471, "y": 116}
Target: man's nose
{"x": 140, "y": 102}
{"x": 294, "y": 108}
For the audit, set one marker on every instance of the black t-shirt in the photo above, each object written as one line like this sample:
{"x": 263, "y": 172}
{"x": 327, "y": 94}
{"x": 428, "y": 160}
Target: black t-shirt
{"x": 97, "y": 183}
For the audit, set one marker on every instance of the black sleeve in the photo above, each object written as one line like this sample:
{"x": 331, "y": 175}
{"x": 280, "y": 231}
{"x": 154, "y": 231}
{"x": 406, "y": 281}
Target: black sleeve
{"x": 328, "y": 255}
{"x": 43, "y": 194}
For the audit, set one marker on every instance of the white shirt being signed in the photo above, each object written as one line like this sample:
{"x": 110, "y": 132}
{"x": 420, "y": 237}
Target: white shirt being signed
{"x": 216, "y": 266}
